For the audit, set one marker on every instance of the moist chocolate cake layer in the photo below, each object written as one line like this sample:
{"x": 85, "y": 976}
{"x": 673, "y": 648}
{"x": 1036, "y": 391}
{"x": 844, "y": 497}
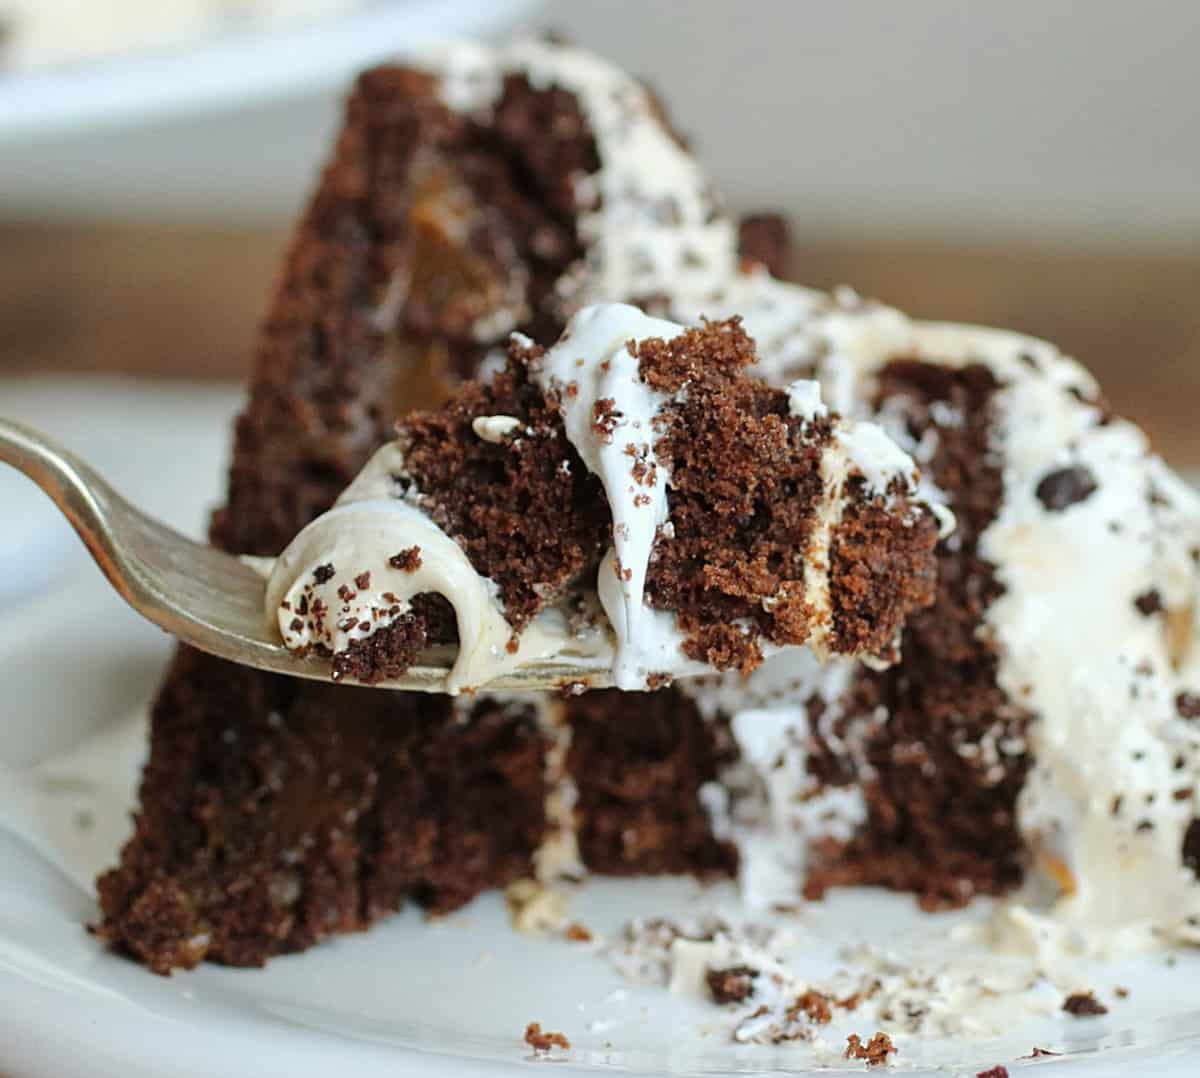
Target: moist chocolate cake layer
{"x": 639, "y": 760}
{"x": 275, "y": 813}
{"x": 940, "y": 823}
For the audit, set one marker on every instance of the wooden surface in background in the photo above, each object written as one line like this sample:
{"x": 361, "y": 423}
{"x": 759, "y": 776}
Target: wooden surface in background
{"x": 163, "y": 302}
{"x": 182, "y": 302}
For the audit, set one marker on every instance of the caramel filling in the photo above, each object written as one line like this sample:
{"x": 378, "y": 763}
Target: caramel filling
{"x": 444, "y": 287}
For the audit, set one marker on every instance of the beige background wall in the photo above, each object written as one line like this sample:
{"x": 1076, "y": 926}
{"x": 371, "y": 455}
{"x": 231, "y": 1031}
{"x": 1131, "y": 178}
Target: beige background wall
{"x": 1033, "y": 164}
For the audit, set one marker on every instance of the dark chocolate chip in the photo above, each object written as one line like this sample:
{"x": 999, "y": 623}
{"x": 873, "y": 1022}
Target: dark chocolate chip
{"x": 1066, "y": 487}
{"x": 1191, "y": 847}
{"x": 1187, "y": 705}
{"x": 1149, "y": 602}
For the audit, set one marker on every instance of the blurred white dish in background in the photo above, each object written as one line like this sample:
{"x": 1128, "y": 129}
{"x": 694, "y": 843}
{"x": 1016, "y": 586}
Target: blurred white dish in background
{"x": 40, "y": 32}
{"x": 52, "y": 113}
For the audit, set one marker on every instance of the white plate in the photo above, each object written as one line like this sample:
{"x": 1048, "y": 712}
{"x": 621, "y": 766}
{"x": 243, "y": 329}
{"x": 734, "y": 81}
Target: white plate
{"x": 140, "y": 133}
{"x": 410, "y": 997}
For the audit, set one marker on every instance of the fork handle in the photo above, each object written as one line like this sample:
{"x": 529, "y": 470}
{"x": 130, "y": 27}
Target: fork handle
{"x": 205, "y": 597}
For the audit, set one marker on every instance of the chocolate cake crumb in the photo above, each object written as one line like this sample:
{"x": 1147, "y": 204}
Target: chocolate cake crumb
{"x": 605, "y": 418}
{"x": 544, "y": 1041}
{"x": 997, "y": 1071}
{"x": 732, "y": 985}
{"x": 1083, "y": 1005}
{"x": 1037, "y": 1053}
{"x": 407, "y": 561}
{"x": 577, "y": 933}
{"x": 816, "y": 1006}
{"x": 875, "y": 1051}
{"x": 323, "y": 573}
{"x": 1065, "y": 487}
{"x": 363, "y": 581}
{"x": 1149, "y": 602}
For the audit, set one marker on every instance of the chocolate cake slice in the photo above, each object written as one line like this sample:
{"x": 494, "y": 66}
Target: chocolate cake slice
{"x": 476, "y": 193}
{"x": 632, "y": 493}
{"x": 1039, "y": 725}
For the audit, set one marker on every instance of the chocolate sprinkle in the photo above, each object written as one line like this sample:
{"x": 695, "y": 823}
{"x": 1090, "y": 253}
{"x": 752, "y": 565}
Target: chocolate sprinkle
{"x": 1066, "y": 487}
{"x": 1191, "y": 847}
{"x": 1187, "y": 704}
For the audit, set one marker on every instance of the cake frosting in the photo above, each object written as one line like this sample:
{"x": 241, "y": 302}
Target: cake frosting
{"x": 592, "y": 363}
{"x": 347, "y": 574}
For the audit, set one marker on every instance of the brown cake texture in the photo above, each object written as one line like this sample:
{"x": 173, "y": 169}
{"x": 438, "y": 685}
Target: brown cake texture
{"x": 745, "y": 491}
{"x": 936, "y": 825}
{"x": 276, "y": 813}
{"x": 247, "y": 842}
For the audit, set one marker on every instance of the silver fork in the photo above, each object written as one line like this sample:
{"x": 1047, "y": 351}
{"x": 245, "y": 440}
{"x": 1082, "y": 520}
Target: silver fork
{"x": 205, "y": 597}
